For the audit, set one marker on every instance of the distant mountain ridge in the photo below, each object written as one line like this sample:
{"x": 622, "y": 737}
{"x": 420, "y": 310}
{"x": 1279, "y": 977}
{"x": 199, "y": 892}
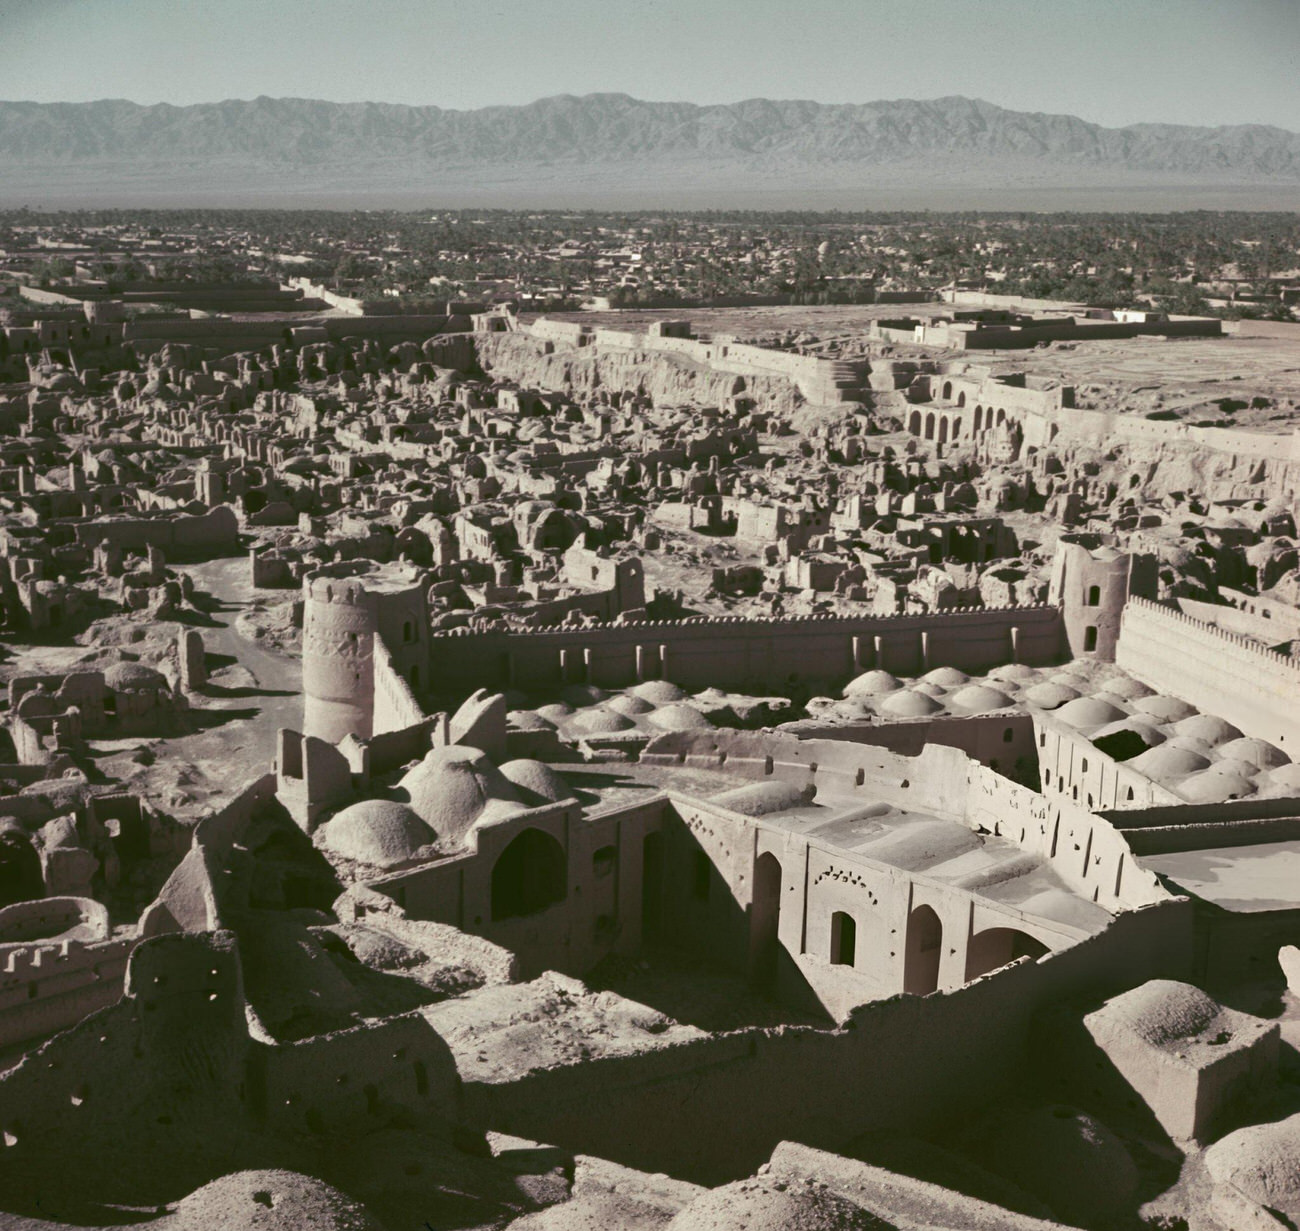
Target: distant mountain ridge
{"x": 616, "y": 128}
{"x": 616, "y": 140}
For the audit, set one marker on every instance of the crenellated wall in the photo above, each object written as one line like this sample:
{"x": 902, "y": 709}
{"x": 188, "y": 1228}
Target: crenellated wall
{"x": 1223, "y": 673}
{"x": 727, "y": 652}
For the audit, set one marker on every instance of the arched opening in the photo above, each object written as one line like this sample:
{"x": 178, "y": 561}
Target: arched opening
{"x": 529, "y": 876}
{"x": 765, "y": 918}
{"x": 914, "y": 423}
{"x": 956, "y": 428}
{"x": 652, "y": 886}
{"x": 943, "y": 430}
{"x": 995, "y": 947}
{"x": 1090, "y": 638}
{"x": 1094, "y": 596}
{"x": 979, "y": 419}
{"x": 947, "y": 391}
{"x": 923, "y": 950}
{"x": 1002, "y": 416}
{"x": 844, "y": 939}
{"x": 929, "y": 427}
{"x": 961, "y": 399}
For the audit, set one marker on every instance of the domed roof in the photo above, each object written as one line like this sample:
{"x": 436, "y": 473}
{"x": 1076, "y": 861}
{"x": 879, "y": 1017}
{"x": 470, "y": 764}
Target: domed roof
{"x": 1165, "y": 762}
{"x": 851, "y": 711}
{"x": 1085, "y": 712}
{"x": 1214, "y": 786}
{"x": 872, "y": 684}
{"x": 599, "y": 722}
{"x": 978, "y": 699}
{"x": 1163, "y": 708}
{"x": 1144, "y": 728}
{"x": 1049, "y": 696}
{"x": 630, "y": 704}
{"x": 269, "y": 1201}
{"x": 533, "y": 778}
{"x": 378, "y": 832}
{"x": 125, "y": 677}
{"x": 909, "y": 705}
{"x": 1262, "y": 1162}
{"x": 1070, "y": 679}
{"x": 529, "y": 720}
{"x": 1014, "y": 673}
{"x": 929, "y": 688}
{"x": 453, "y": 787}
{"x": 1161, "y": 1011}
{"x": 579, "y": 695}
{"x": 659, "y": 692}
{"x": 556, "y": 711}
{"x": 1127, "y": 687}
{"x": 769, "y": 1204}
{"x": 948, "y": 677}
{"x": 1254, "y": 751}
{"x": 1284, "y": 779}
{"x": 1208, "y": 728}
{"x": 679, "y": 718}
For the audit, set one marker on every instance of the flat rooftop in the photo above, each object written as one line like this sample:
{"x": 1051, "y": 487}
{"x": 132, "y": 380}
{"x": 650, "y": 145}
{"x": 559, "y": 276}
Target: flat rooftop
{"x": 1245, "y": 879}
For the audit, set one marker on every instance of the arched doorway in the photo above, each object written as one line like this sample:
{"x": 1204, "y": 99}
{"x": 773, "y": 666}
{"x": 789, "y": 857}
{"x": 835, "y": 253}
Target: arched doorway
{"x": 914, "y": 423}
{"x": 765, "y": 919}
{"x": 979, "y": 419}
{"x": 995, "y": 947}
{"x": 923, "y": 950}
{"x": 929, "y": 427}
{"x": 943, "y": 429}
{"x": 530, "y": 875}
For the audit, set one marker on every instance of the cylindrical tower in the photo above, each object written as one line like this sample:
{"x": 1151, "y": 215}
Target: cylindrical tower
{"x": 338, "y": 679}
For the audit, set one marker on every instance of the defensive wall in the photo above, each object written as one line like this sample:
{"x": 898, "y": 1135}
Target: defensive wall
{"x": 822, "y": 381}
{"x": 1223, "y": 673}
{"x": 734, "y": 652}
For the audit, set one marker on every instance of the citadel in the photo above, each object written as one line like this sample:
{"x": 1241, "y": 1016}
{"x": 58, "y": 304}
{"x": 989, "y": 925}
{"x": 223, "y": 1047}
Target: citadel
{"x": 473, "y": 769}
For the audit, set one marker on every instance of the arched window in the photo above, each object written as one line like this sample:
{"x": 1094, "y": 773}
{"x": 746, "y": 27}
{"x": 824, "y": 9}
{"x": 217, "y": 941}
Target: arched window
{"x": 530, "y": 875}
{"x": 844, "y": 939}
{"x": 1094, "y": 596}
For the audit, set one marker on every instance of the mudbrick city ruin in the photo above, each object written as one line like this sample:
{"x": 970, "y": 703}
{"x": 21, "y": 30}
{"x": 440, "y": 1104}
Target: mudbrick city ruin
{"x": 743, "y": 765}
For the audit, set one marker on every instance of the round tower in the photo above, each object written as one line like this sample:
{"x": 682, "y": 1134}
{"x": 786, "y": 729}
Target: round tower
{"x": 1091, "y": 583}
{"x": 338, "y": 644}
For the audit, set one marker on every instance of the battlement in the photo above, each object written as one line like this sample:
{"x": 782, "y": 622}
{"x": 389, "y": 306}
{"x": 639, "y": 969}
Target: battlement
{"x": 1238, "y": 641}
{"x": 821, "y": 620}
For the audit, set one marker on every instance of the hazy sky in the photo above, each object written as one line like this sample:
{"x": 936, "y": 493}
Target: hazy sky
{"x": 1109, "y": 61}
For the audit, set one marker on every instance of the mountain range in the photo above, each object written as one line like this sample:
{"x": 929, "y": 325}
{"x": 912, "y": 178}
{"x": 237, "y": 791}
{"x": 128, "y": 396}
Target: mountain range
{"x": 615, "y": 146}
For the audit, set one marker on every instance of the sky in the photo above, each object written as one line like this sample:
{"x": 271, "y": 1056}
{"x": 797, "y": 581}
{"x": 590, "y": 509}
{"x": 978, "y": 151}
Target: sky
{"x": 1111, "y": 62}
